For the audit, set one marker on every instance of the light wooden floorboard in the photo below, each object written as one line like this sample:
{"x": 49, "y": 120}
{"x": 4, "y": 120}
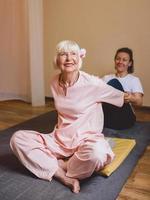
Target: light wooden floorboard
{"x": 14, "y": 112}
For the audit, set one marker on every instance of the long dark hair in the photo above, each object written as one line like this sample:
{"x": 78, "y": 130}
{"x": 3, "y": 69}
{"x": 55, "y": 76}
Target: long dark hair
{"x": 130, "y": 53}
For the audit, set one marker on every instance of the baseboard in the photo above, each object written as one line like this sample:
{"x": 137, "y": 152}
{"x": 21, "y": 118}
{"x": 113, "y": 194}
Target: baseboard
{"x": 13, "y": 96}
{"x": 143, "y": 108}
{"x": 49, "y": 98}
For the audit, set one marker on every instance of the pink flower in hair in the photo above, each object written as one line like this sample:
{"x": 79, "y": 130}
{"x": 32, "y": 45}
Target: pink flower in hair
{"x": 82, "y": 53}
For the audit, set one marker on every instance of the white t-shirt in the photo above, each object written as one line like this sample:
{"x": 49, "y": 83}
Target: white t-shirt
{"x": 130, "y": 83}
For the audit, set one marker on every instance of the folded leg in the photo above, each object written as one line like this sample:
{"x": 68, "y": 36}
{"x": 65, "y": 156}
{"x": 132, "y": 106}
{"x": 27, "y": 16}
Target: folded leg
{"x": 31, "y": 149}
{"x": 91, "y": 156}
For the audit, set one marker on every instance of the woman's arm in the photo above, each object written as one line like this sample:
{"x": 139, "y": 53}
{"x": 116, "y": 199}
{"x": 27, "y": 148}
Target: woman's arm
{"x": 134, "y": 98}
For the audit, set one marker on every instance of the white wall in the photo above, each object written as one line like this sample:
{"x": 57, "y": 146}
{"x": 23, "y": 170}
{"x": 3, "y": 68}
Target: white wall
{"x": 100, "y": 26}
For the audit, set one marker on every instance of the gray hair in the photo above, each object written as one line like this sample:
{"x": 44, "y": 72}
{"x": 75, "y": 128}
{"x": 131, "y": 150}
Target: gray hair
{"x": 68, "y": 46}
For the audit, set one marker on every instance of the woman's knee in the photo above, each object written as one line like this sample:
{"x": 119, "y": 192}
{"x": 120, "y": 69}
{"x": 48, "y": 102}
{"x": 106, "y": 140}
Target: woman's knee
{"x": 116, "y": 84}
{"x": 18, "y": 138}
{"x": 95, "y": 153}
{"x": 101, "y": 155}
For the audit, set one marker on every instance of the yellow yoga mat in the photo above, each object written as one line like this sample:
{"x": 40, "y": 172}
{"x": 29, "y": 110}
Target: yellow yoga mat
{"x": 121, "y": 149}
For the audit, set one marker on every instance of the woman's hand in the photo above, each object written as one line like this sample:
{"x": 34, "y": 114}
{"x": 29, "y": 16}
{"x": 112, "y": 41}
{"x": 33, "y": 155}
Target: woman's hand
{"x": 127, "y": 97}
{"x": 133, "y": 98}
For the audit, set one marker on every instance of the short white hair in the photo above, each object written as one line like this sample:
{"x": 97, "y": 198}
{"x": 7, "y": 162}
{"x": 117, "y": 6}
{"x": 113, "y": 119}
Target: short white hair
{"x": 67, "y": 46}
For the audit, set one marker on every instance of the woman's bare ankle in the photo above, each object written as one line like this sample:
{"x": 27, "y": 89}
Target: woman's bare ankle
{"x": 70, "y": 182}
{"x": 62, "y": 164}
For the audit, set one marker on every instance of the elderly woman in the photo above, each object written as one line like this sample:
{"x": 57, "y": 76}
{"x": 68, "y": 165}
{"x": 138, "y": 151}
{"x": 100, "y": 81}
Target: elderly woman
{"x": 77, "y": 136}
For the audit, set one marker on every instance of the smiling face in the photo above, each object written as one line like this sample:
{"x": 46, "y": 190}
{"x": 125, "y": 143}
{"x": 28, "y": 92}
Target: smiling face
{"x": 68, "y": 56}
{"x": 68, "y": 61}
{"x": 122, "y": 62}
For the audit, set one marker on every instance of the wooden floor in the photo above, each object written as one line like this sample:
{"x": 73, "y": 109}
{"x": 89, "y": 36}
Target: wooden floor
{"x": 137, "y": 186}
{"x": 15, "y": 111}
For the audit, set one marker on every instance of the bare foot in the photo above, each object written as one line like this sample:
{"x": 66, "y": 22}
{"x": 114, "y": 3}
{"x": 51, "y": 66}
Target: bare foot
{"x": 70, "y": 182}
{"x": 62, "y": 164}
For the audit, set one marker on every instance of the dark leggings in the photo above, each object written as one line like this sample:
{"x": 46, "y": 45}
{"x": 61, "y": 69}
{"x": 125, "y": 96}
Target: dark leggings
{"x": 116, "y": 117}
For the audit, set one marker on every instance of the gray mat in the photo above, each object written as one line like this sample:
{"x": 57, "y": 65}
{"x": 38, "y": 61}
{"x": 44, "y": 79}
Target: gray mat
{"x": 17, "y": 183}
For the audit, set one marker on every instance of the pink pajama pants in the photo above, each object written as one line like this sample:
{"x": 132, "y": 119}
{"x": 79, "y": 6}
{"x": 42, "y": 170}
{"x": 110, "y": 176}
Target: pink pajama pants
{"x": 39, "y": 153}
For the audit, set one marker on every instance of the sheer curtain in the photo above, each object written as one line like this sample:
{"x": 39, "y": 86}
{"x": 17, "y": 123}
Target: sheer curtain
{"x": 14, "y": 58}
{"x": 17, "y": 51}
